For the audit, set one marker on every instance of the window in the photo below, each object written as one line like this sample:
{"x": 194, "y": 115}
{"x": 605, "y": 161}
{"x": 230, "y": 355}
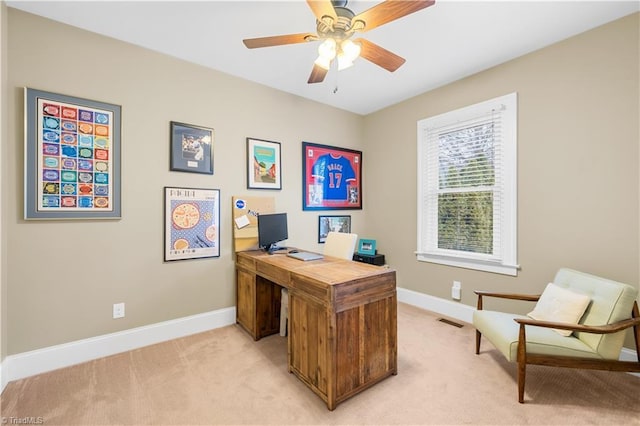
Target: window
{"x": 467, "y": 170}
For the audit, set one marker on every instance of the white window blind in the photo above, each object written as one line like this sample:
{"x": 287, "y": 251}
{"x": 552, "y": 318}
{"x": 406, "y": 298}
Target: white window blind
{"x": 467, "y": 187}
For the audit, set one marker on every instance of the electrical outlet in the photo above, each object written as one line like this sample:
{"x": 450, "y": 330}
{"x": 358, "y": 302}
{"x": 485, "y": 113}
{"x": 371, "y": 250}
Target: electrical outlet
{"x": 455, "y": 290}
{"x": 118, "y": 310}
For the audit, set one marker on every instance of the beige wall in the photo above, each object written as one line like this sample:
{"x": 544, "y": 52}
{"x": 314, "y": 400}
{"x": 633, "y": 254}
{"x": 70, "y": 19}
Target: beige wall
{"x": 578, "y": 176}
{"x": 63, "y": 277}
{"x": 578, "y": 182}
{"x": 3, "y": 137}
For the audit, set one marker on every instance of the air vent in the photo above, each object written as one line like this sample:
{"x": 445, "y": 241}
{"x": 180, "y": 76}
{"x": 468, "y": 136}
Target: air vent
{"x": 453, "y": 323}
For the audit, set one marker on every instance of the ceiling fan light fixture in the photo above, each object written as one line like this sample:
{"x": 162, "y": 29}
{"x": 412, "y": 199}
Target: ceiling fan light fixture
{"x": 328, "y": 49}
{"x": 350, "y": 50}
{"x": 326, "y": 53}
{"x": 344, "y": 62}
{"x": 323, "y": 62}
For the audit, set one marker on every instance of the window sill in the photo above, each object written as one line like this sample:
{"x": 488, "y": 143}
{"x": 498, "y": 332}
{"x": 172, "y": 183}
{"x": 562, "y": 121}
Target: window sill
{"x": 478, "y": 265}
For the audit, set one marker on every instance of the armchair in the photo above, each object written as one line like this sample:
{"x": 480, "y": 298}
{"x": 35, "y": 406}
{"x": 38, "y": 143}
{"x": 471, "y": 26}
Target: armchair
{"x": 595, "y": 341}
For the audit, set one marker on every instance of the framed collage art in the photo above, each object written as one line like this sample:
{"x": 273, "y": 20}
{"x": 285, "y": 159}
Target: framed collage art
{"x": 191, "y": 148}
{"x": 331, "y": 177}
{"x": 192, "y": 223}
{"x": 264, "y": 170}
{"x": 72, "y": 157}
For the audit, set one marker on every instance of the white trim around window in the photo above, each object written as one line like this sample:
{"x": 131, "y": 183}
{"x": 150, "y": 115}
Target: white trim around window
{"x": 469, "y": 152}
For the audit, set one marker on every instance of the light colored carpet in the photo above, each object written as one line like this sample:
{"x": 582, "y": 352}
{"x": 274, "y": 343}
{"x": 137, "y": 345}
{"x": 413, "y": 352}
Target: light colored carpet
{"x": 224, "y": 377}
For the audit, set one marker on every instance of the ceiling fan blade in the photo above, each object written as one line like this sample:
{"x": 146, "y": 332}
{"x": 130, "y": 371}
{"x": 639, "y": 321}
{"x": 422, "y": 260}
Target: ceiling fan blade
{"x": 317, "y": 74}
{"x": 388, "y": 11}
{"x": 322, "y": 9}
{"x": 253, "y": 43}
{"x": 379, "y": 55}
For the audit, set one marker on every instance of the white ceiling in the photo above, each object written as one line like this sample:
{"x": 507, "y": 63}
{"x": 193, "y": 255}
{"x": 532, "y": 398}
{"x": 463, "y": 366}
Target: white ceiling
{"x": 442, "y": 43}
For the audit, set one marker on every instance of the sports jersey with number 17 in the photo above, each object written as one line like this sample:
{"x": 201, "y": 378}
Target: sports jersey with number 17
{"x": 334, "y": 173}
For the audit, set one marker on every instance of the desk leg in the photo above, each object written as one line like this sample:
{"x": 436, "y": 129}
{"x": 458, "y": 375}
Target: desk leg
{"x": 257, "y": 304}
{"x": 246, "y": 301}
{"x": 268, "y": 301}
{"x": 338, "y": 354}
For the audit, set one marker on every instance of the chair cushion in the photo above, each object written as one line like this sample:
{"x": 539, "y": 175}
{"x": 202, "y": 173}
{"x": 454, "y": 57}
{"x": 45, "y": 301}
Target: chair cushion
{"x": 557, "y": 304}
{"x": 501, "y": 330}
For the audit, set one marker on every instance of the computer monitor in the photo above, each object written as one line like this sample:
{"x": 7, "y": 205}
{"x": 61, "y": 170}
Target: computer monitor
{"x": 272, "y": 228}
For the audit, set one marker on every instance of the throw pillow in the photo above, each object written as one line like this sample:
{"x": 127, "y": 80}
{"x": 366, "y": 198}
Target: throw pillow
{"x": 557, "y": 304}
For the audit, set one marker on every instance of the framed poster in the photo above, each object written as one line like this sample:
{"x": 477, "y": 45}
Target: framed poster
{"x": 263, "y": 164}
{"x": 72, "y": 157}
{"x": 191, "y": 148}
{"x": 192, "y": 223}
{"x": 327, "y": 224}
{"x": 331, "y": 177}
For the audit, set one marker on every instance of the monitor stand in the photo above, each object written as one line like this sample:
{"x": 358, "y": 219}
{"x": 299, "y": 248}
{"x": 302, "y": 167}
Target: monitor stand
{"x": 274, "y": 247}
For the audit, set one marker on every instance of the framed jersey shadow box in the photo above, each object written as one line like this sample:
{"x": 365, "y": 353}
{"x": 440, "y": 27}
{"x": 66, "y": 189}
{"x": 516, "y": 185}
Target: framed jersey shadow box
{"x": 331, "y": 177}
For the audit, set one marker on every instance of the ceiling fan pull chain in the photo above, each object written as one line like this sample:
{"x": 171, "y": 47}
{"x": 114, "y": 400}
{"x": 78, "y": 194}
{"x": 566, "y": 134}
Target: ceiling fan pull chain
{"x": 336, "y": 74}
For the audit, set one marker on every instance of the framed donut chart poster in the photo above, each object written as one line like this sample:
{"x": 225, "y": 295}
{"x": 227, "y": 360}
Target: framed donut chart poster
{"x": 72, "y": 157}
{"x": 192, "y": 223}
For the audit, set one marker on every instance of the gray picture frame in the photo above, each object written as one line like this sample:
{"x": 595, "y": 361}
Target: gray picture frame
{"x": 62, "y": 151}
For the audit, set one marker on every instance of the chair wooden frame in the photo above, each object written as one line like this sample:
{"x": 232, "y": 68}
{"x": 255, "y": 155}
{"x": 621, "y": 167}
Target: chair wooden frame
{"x": 525, "y": 358}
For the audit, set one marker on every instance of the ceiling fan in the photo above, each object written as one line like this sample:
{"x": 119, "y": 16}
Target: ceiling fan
{"x": 336, "y": 24}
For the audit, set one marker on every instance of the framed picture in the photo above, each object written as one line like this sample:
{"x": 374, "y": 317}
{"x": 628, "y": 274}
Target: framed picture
{"x": 192, "y": 223}
{"x": 331, "y": 177}
{"x": 263, "y": 164}
{"x": 191, "y": 148}
{"x": 367, "y": 247}
{"x": 72, "y": 157}
{"x": 327, "y": 224}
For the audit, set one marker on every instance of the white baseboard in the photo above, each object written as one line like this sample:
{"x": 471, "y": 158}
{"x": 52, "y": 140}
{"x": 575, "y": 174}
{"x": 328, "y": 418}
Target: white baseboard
{"x": 38, "y": 361}
{"x": 444, "y": 307}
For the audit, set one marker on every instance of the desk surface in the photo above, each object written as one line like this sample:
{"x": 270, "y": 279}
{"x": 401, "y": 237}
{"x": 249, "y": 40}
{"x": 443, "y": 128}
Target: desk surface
{"x": 329, "y": 270}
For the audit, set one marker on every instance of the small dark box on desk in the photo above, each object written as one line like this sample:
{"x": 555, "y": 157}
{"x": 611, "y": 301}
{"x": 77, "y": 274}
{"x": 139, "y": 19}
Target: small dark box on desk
{"x": 373, "y": 259}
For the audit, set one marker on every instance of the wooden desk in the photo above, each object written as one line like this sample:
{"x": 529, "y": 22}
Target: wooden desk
{"x": 342, "y": 318}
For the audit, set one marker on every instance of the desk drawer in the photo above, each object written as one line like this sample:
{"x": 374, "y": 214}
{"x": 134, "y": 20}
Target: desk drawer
{"x": 364, "y": 291}
{"x": 311, "y": 288}
{"x": 274, "y": 273}
{"x": 245, "y": 262}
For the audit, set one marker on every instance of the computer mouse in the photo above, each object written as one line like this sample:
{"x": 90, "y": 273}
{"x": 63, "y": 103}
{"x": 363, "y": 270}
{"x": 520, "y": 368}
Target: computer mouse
{"x": 293, "y": 251}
